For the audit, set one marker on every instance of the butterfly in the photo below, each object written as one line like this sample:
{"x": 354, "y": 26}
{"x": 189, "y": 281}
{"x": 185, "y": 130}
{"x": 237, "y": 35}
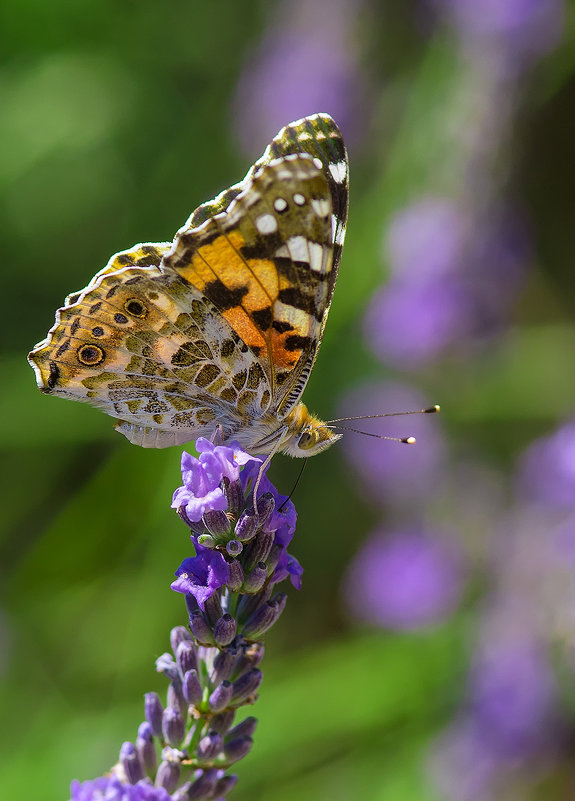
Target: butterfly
{"x": 221, "y": 327}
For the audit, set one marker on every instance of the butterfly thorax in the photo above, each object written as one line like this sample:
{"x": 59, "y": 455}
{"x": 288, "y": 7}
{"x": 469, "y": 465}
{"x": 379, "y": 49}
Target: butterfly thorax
{"x": 300, "y": 434}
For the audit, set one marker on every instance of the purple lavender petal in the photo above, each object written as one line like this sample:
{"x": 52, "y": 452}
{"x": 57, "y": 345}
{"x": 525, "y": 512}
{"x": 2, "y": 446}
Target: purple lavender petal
{"x": 407, "y": 580}
{"x": 288, "y": 565}
{"x": 391, "y": 471}
{"x": 228, "y": 459}
{"x": 202, "y": 575}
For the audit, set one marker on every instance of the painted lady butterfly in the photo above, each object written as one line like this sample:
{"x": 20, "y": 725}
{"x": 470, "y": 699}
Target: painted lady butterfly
{"x": 222, "y": 326}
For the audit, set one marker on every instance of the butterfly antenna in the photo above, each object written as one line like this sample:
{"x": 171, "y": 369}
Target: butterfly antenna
{"x": 430, "y": 410}
{"x": 298, "y": 479}
{"x": 404, "y": 440}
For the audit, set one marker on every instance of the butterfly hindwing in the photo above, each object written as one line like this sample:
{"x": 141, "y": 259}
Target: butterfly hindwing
{"x": 148, "y": 348}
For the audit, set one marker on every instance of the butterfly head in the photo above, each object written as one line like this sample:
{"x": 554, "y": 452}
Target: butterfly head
{"x": 307, "y": 435}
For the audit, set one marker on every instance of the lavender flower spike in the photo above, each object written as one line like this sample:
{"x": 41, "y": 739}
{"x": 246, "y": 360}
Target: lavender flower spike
{"x": 188, "y": 742}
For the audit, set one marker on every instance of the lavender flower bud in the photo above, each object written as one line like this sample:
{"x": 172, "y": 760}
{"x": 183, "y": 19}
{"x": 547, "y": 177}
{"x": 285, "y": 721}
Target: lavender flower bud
{"x": 274, "y": 556}
{"x": 236, "y": 578}
{"x": 224, "y": 786}
{"x": 224, "y": 665}
{"x": 209, "y": 746}
{"x": 258, "y": 550}
{"x": 154, "y": 712}
{"x": 244, "y": 729}
{"x": 217, "y": 523}
{"x": 181, "y": 793}
{"x": 213, "y": 608}
{"x": 266, "y": 506}
{"x": 234, "y": 495}
{"x": 234, "y": 548}
{"x": 222, "y": 721}
{"x": 246, "y": 686}
{"x": 221, "y": 696}
{"x": 166, "y": 664}
{"x": 247, "y": 526}
{"x": 255, "y": 580}
{"x": 173, "y": 726}
{"x": 186, "y": 657}
{"x": 224, "y": 630}
{"x": 249, "y": 603}
{"x": 238, "y": 748}
{"x": 207, "y": 541}
{"x": 262, "y": 619}
{"x": 178, "y": 635}
{"x": 131, "y": 763}
{"x": 146, "y": 749}
{"x": 251, "y": 657}
{"x": 204, "y": 785}
{"x": 192, "y": 688}
{"x": 168, "y": 775}
{"x": 200, "y": 629}
{"x": 175, "y": 698}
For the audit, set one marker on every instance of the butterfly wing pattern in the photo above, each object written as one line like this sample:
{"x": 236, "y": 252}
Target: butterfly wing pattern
{"x": 221, "y": 327}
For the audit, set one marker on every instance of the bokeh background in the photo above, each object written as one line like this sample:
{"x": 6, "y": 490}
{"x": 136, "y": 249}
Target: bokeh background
{"x": 430, "y": 653}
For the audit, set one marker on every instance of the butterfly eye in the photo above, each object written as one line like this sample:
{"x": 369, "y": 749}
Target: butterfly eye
{"x": 306, "y": 440}
{"x": 135, "y": 307}
{"x": 90, "y": 355}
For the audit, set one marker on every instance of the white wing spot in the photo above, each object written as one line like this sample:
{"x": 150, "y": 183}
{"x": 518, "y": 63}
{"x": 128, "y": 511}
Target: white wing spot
{"x": 283, "y": 252}
{"x": 280, "y": 204}
{"x": 318, "y": 163}
{"x": 298, "y": 248}
{"x": 339, "y": 235}
{"x": 338, "y": 171}
{"x": 266, "y": 224}
{"x": 316, "y": 255}
{"x": 321, "y": 207}
{"x": 298, "y": 199}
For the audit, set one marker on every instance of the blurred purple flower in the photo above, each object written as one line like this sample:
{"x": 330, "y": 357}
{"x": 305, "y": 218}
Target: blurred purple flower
{"x": 406, "y": 580}
{"x": 391, "y": 471}
{"x": 499, "y": 255}
{"x": 408, "y": 324}
{"x": 202, "y": 476}
{"x": 425, "y": 240}
{"x": 202, "y": 575}
{"x": 304, "y": 64}
{"x": 444, "y": 263}
{"x": 547, "y": 469}
{"x": 511, "y": 695}
{"x": 110, "y": 788}
{"x": 523, "y": 29}
{"x": 461, "y": 767}
{"x": 510, "y": 717}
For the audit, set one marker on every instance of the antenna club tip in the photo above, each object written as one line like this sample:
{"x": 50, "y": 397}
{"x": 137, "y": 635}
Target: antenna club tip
{"x": 409, "y": 440}
{"x": 433, "y": 409}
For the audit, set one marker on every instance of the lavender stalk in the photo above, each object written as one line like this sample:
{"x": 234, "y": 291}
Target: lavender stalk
{"x": 186, "y": 746}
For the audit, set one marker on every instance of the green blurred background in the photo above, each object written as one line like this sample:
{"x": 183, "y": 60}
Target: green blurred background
{"x": 117, "y": 119}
